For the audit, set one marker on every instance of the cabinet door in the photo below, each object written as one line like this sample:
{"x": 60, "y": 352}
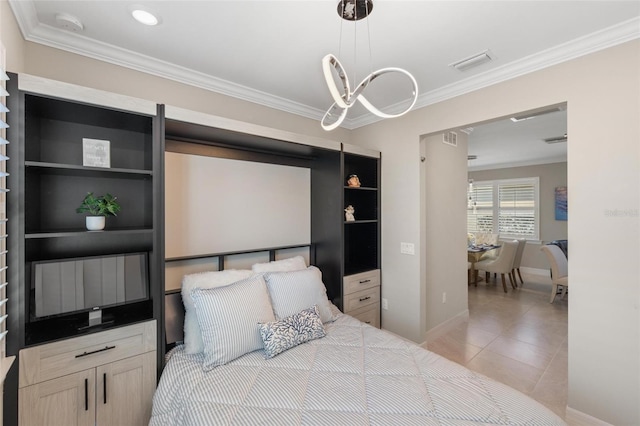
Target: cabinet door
{"x": 68, "y": 401}
{"x": 125, "y": 390}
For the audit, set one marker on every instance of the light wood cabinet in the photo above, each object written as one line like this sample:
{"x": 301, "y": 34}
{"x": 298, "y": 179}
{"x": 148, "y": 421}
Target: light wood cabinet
{"x": 362, "y": 296}
{"x": 114, "y": 386}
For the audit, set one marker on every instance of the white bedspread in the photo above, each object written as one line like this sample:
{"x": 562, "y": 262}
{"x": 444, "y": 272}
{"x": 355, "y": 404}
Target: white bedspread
{"x": 356, "y": 375}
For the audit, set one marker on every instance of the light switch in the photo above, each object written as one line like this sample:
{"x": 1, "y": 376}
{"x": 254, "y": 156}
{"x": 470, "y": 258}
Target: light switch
{"x": 407, "y": 248}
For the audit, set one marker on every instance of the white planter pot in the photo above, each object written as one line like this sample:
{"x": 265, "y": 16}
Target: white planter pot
{"x": 95, "y": 223}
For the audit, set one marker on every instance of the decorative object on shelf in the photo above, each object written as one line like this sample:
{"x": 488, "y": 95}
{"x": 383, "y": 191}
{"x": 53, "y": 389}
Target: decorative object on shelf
{"x": 96, "y": 153}
{"x": 354, "y": 10}
{"x": 98, "y": 207}
{"x": 353, "y": 181}
{"x": 348, "y": 213}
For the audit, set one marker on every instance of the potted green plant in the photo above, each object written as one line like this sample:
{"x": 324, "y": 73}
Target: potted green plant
{"x": 98, "y": 207}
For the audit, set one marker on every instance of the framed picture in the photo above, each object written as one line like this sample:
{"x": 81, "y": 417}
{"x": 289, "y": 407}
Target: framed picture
{"x": 96, "y": 153}
{"x": 561, "y": 203}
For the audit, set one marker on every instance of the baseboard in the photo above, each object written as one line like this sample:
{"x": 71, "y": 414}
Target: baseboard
{"x": 535, "y": 271}
{"x": 446, "y": 326}
{"x": 574, "y": 417}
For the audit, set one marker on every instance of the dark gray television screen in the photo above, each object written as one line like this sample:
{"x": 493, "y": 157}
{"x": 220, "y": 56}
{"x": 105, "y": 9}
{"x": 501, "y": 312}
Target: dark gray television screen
{"x": 82, "y": 284}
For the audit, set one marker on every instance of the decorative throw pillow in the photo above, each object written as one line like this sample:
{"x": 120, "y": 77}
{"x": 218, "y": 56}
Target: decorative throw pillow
{"x": 229, "y": 318}
{"x": 278, "y": 336}
{"x": 291, "y": 264}
{"x": 291, "y": 292}
{"x": 192, "y": 333}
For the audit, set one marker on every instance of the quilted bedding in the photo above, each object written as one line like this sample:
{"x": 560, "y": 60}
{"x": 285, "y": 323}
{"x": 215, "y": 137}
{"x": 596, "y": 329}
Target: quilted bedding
{"x": 355, "y": 375}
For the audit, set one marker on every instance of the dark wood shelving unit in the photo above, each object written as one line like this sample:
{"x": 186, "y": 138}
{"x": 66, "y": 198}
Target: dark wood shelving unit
{"x": 361, "y": 242}
{"x": 48, "y": 181}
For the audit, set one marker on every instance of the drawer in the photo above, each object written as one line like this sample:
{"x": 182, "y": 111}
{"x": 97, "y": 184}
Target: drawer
{"x": 362, "y": 281}
{"x": 51, "y": 360}
{"x": 362, "y": 298}
{"x": 369, "y": 315}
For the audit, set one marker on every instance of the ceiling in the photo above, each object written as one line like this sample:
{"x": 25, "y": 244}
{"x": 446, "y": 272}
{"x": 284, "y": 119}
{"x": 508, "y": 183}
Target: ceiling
{"x": 505, "y": 143}
{"x": 270, "y": 52}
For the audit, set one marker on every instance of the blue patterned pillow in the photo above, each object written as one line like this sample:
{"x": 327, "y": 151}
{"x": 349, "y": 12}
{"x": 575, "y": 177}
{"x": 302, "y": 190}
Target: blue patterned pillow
{"x": 278, "y": 336}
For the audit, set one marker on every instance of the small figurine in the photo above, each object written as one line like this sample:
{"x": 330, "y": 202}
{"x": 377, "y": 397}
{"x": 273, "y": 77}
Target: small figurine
{"x": 353, "y": 181}
{"x": 348, "y": 215}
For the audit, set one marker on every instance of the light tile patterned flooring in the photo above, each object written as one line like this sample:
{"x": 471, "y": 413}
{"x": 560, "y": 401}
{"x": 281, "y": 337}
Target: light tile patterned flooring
{"x": 517, "y": 338}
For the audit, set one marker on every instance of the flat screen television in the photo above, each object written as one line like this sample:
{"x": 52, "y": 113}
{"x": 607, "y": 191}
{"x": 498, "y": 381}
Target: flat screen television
{"x": 65, "y": 287}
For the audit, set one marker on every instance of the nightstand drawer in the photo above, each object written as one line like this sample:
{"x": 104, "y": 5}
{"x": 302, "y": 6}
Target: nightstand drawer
{"x": 362, "y": 298}
{"x": 362, "y": 281}
{"x": 52, "y": 360}
{"x": 369, "y": 315}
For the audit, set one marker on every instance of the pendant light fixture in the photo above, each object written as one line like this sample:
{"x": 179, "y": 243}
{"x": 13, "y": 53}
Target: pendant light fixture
{"x": 344, "y": 98}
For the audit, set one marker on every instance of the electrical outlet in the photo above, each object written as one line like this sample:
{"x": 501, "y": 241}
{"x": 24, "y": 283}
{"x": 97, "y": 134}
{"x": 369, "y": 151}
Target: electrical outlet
{"x": 444, "y": 297}
{"x": 407, "y": 248}
{"x": 385, "y": 304}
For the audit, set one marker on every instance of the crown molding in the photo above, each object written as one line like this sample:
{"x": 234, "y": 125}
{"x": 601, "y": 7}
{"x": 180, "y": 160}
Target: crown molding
{"x": 34, "y": 31}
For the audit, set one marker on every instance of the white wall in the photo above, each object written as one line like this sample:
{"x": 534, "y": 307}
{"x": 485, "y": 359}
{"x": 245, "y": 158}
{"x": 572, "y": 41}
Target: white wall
{"x": 551, "y": 176}
{"x": 602, "y": 91}
{"x": 443, "y": 284}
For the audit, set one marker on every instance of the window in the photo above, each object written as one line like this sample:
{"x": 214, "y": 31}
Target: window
{"x": 5, "y": 362}
{"x": 507, "y": 207}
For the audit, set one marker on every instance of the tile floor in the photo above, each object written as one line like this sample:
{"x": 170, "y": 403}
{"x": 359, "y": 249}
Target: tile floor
{"x": 517, "y": 338}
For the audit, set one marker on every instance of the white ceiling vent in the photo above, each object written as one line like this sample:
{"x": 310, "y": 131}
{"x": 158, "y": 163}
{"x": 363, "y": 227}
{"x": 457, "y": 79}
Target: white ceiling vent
{"x": 558, "y": 139}
{"x": 473, "y": 61}
{"x": 450, "y": 138}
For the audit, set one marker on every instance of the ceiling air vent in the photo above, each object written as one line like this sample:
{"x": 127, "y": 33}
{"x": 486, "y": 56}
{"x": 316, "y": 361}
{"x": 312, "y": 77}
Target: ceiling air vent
{"x": 450, "y": 138}
{"x": 473, "y": 61}
{"x": 557, "y": 139}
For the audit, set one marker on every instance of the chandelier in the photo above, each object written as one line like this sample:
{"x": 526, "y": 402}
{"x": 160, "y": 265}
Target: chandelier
{"x": 344, "y": 98}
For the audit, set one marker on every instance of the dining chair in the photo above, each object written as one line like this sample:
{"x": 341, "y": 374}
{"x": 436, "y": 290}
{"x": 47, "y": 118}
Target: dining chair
{"x": 518, "y": 259}
{"x": 503, "y": 264}
{"x": 559, "y": 269}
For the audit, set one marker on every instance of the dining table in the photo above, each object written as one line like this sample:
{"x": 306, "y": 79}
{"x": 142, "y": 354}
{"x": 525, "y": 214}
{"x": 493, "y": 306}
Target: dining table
{"x": 474, "y": 253}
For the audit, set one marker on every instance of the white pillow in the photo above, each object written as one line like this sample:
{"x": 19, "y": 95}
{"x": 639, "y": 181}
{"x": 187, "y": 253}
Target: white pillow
{"x": 230, "y": 318}
{"x": 291, "y": 264}
{"x": 292, "y": 292}
{"x": 192, "y": 334}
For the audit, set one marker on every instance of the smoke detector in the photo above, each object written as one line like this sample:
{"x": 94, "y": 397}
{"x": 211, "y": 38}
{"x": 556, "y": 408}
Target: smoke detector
{"x": 69, "y": 22}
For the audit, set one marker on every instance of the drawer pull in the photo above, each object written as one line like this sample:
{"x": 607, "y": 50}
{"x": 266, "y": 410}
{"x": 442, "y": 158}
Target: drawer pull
{"x": 106, "y": 348}
{"x": 367, "y": 322}
{"x": 86, "y": 394}
{"x": 362, "y": 299}
{"x": 104, "y": 387}
{"x": 365, "y": 281}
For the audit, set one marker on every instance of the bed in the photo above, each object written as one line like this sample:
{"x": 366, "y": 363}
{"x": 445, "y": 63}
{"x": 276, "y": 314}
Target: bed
{"x": 315, "y": 366}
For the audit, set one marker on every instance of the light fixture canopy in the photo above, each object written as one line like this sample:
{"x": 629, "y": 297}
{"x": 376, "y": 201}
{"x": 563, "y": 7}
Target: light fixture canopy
{"x": 354, "y": 10}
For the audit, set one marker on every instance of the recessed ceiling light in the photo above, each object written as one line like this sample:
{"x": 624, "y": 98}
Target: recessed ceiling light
{"x": 144, "y": 17}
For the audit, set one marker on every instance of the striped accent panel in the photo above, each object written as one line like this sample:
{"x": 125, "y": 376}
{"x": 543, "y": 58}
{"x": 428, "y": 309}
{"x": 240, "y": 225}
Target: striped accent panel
{"x": 292, "y": 292}
{"x": 229, "y": 319}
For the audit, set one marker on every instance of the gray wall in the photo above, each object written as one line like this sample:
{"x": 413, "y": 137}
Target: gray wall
{"x": 551, "y": 176}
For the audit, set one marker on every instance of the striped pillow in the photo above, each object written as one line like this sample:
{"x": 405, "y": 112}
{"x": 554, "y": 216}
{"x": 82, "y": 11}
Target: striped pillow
{"x": 229, "y": 318}
{"x": 292, "y": 292}
{"x": 192, "y": 335}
